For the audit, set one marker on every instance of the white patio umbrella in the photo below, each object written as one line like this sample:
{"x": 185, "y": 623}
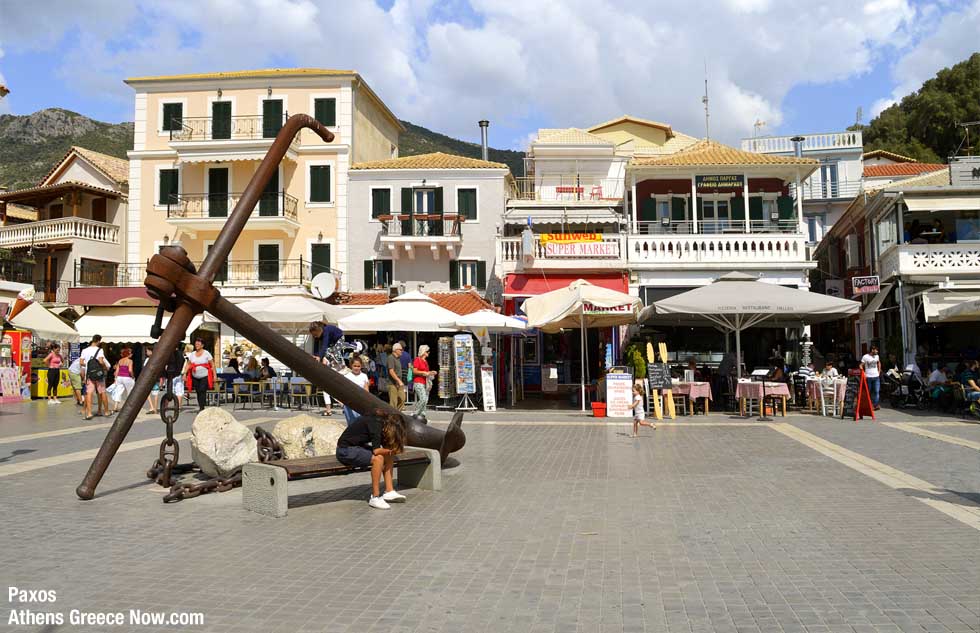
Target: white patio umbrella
{"x": 292, "y": 313}
{"x": 580, "y": 305}
{"x": 410, "y": 312}
{"x": 45, "y": 324}
{"x": 964, "y": 311}
{"x": 738, "y": 301}
{"x": 492, "y": 322}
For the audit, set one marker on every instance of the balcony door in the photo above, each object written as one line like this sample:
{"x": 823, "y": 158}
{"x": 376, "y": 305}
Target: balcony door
{"x": 269, "y": 204}
{"x": 220, "y": 119}
{"x": 222, "y": 275}
{"x": 716, "y": 216}
{"x": 828, "y": 180}
{"x": 428, "y": 202}
{"x": 268, "y": 263}
{"x": 319, "y": 259}
{"x": 271, "y": 117}
{"x": 218, "y": 192}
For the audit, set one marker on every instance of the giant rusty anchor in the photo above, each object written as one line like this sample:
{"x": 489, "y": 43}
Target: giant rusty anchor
{"x": 179, "y": 288}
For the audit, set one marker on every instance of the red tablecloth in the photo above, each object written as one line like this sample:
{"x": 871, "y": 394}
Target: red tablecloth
{"x": 753, "y": 390}
{"x": 693, "y": 390}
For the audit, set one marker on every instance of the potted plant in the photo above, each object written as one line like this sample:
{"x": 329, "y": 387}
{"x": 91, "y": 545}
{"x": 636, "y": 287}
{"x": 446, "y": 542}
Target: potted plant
{"x": 634, "y": 359}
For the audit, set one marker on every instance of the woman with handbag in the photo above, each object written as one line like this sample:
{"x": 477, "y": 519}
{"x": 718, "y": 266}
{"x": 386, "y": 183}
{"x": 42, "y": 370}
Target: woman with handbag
{"x": 199, "y": 372}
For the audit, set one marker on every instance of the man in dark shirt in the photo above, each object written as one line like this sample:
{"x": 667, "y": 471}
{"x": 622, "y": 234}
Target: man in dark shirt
{"x": 373, "y": 441}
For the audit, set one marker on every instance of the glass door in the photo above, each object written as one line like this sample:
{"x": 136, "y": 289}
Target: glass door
{"x": 425, "y": 202}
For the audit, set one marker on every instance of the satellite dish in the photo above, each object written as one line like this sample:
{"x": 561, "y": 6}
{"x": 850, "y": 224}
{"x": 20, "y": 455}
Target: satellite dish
{"x": 323, "y": 285}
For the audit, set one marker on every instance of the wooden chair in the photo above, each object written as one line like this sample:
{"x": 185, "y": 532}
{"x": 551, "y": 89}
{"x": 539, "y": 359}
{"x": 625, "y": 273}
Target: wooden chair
{"x": 216, "y": 393}
{"x": 299, "y": 392}
{"x": 245, "y": 392}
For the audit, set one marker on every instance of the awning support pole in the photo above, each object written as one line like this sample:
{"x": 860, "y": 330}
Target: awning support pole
{"x": 582, "y": 330}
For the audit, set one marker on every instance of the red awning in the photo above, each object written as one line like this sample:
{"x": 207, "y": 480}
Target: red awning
{"x": 519, "y": 285}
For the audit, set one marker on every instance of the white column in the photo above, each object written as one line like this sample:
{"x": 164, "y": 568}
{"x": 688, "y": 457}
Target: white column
{"x": 799, "y": 204}
{"x": 745, "y": 200}
{"x": 694, "y": 206}
{"x": 635, "y": 204}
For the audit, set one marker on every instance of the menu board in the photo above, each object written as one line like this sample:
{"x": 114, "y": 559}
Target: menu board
{"x": 465, "y": 365}
{"x": 486, "y": 381}
{"x": 851, "y": 392}
{"x": 658, "y": 376}
{"x": 619, "y": 395}
{"x": 446, "y": 381}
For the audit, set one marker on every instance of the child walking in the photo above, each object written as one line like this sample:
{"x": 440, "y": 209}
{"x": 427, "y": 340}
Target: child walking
{"x": 638, "y": 413}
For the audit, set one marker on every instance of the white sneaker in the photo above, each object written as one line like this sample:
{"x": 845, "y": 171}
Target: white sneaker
{"x": 393, "y": 497}
{"x": 378, "y": 503}
{"x": 56, "y": 401}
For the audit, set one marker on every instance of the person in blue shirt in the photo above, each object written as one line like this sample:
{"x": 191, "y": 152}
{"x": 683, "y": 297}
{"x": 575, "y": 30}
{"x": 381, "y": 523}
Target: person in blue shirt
{"x": 324, "y": 337}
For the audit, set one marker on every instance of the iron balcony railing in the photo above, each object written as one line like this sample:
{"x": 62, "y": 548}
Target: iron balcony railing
{"x": 203, "y": 206}
{"x": 205, "y": 128}
{"x": 51, "y": 291}
{"x": 420, "y": 225}
{"x": 17, "y": 271}
{"x": 234, "y": 273}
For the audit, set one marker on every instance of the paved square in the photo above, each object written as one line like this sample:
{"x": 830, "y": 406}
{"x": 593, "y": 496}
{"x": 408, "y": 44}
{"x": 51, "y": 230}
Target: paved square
{"x": 549, "y": 523}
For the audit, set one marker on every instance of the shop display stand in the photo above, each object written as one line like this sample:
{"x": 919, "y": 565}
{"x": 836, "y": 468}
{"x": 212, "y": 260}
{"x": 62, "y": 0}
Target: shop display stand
{"x": 447, "y": 374}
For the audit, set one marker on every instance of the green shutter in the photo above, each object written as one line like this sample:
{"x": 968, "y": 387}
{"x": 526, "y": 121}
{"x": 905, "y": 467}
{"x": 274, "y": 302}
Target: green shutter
{"x": 319, "y": 259}
{"x": 481, "y": 275}
{"x": 648, "y": 210}
{"x": 454, "y": 275}
{"x": 438, "y": 201}
{"x": 380, "y": 202}
{"x": 738, "y": 209}
{"x": 319, "y": 183}
{"x": 172, "y": 115}
{"x": 221, "y": 119}
{"x": 677, "y": 209}
{"x": 786, "y": 207}
{"x": 466, "y": 203}
{"x": 325, "y": 111}
{"x": 386, "y": 273}
{"x": 700, "y": 209}
{"x": 368, "y": 274}
{"x": 271, "y": 117}
{"x": 168, "y": 186}
{"x": 269, "y": 202}
{"x": 755, "y": 208}
{"x": 406, "y": 210}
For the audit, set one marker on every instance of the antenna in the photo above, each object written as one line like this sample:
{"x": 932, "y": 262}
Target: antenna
{"x": 758, "y": 125}
{"x": 704, "y": 100}
{"x": 859, "y": 116}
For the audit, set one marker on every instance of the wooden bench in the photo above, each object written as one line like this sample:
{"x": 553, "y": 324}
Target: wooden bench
{"x": 264, "y": 484}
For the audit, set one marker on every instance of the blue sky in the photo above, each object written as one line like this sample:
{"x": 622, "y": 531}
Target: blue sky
{"x": 799, "y": 66}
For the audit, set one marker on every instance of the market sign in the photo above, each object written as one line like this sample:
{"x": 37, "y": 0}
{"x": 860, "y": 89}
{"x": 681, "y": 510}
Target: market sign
{"x": 719, "y": 181}
{"x": 570, "y": 238}
{"x": 589, "y": 308}
{"x": 866, "y": 285}
{"x": 597, "y": 249}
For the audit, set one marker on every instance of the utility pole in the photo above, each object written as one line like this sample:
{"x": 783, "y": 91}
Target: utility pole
{"x": 704, "y": 100}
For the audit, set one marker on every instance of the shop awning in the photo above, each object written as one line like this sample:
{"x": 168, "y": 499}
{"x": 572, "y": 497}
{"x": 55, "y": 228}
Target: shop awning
{"x": 868, "y": 314}
{"x": 569, "y": 215}
{"x": 45, "y": 324}
{"x": 943, "y": 203}
{"x": 127, "y": 324}
{"x": 938, "y": 306}
{"x": 521, "y": 285}
{"x": 966, "y": 311}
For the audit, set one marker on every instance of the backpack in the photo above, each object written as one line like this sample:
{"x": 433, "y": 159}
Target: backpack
{"x": 94, "y": 370}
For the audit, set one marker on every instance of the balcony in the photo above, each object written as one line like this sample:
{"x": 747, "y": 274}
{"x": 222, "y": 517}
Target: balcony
{"x": 194, "y": 212}
{"x": 717, "y": 227}
{"x": 576, "y": 189}
{"x": 234, "y": 274}
{"x": 812, "y": 143}
{"x": 201, "y": 139}
{"x": 828, "y": 189}
{"x": 930, "y": 262}
{"x": 59, "y": 230}
{"x": 407, "y": 232}
{"x": 606, "y": 254}
{"x": 719, "y": 251}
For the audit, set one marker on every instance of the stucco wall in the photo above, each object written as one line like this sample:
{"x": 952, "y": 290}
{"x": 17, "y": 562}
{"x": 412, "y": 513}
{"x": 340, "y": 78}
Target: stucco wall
{"x": 374, "y": 133}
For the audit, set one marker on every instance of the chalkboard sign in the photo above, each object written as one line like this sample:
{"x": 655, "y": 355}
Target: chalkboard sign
{"x": 851, "y": 392}
{"x": 658, "y": 375}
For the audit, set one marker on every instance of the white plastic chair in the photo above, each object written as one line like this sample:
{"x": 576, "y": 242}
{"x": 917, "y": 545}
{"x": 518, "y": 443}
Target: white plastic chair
{"x": 828, "y": 386}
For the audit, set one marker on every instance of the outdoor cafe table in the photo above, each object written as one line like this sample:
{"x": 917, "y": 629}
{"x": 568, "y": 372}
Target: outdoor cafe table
{"x": 694, "y": 390}
{"x": 752, "y": 390}
{"x": 813, "y": 391}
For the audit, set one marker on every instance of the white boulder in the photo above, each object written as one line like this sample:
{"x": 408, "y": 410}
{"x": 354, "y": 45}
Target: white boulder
{"x": 306, "y": 436}
{"x": 220, "y": 444}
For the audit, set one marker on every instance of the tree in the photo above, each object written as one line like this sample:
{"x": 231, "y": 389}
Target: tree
{"x": 925, "y": 124}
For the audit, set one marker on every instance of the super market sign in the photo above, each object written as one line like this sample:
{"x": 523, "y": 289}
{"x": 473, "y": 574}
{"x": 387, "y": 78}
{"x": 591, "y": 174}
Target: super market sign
{"x": 581, "y": 250}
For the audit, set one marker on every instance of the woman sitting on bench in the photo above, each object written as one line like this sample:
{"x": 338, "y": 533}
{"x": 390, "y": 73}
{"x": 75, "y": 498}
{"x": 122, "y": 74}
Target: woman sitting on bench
{"x": 373, "y": 441}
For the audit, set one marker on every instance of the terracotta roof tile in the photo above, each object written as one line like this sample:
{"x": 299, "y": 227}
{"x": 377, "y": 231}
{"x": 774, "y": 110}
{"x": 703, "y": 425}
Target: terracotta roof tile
{"x": 632, "y": 119}
{"x": 463, "y": 302}
{"x": 435, "y": 160}
{"x": 20, "y": 212}
{"x": 569, "y": 135}
{"x": 936, "y": 178}
{"x": 249, "y": 74}
{"x": 359, "y": 298}
{"x": 707, "y": 152}
{"x": 900, "y": 169}
{"x": 883, "y": 153}
{"x": 115, "y": 169}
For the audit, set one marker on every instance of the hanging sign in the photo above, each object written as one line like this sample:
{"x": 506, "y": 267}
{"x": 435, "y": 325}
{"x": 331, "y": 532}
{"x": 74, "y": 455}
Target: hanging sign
{"x": 489, "y": 395}
{"x": 866, "y": 285}
{"x": 570, "y": 238}
{"x": 465, "y": 370}
{"x": 582, "y": 249}
{"x": 719, "y": 181}
{"x": 834, "y": 288}
{"x": 619, "y": 395}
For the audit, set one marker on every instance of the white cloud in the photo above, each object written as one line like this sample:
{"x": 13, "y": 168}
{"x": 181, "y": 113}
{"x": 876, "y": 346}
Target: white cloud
{"x": 567, "y": 63}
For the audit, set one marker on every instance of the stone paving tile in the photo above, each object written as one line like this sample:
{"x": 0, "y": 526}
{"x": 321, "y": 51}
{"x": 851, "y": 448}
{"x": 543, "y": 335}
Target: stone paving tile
{"x": 949, "y": 466}
{"x": 544, "y": 528}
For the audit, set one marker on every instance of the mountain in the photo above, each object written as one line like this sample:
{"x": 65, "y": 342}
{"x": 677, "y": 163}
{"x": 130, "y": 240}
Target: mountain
{"x": 925, "y": 124}
{"x": 30, "y": 145}
{"x": 419, "y": 140}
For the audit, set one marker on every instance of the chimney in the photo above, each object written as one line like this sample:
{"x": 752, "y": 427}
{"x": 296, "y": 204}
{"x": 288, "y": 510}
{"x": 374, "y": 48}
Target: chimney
{"x": 798, "y": 146}
{"x": 484, "y": 124}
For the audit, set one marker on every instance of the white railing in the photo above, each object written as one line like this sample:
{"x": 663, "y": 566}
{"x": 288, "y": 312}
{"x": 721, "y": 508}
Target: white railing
{"x": 816, "y": 189}
{"x": 609, "y": 249}
{"x": 697, "y": 249}
{"x": 784, "y": 144}
{"x": 58, "y": 229}
{"x": 714, "y": 227}
{"x": 569, "y": 188}
{"x": 930, "y": 259}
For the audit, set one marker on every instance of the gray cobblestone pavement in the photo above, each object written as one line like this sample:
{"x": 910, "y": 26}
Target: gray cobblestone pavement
{"x": 542, "y": 527}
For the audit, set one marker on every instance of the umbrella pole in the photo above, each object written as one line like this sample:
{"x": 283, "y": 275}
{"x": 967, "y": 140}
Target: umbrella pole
{"x": 738, "y": 351}
{"x": 582, "y": 331}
